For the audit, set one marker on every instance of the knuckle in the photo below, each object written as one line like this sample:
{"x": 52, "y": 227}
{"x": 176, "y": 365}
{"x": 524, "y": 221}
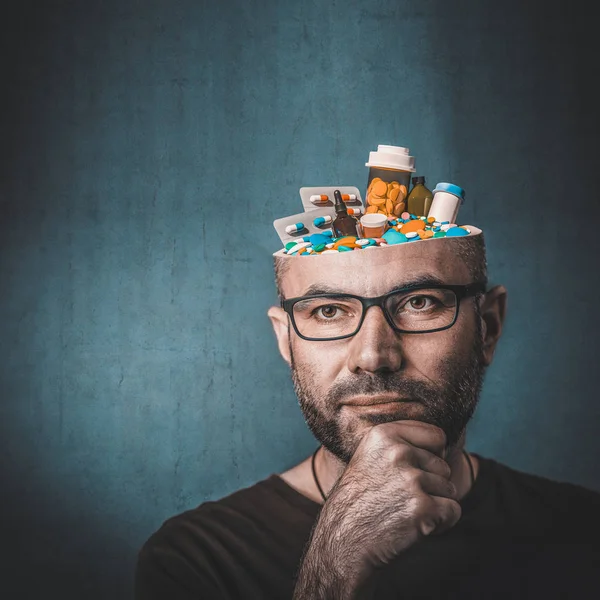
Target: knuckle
{"x": 452, "y": 512}
{"x": 424, "y": 508}
{"x": 412, "y": 479}
{"x": 377, "y": 437}
{"x": 451, "y": 490}
{"x": 427, "y": 527}
{"x": 399, "y": 453}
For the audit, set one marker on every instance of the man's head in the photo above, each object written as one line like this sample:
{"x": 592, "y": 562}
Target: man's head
{"x": 434, "y": 377}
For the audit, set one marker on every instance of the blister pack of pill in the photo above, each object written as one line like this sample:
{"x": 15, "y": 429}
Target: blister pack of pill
{"x": 322, "y": 196}
{"x": 294, "y": 227}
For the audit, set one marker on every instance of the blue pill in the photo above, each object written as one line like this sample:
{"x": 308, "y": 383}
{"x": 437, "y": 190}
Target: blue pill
{"x": 391, "y": 236}
{"x": 318, "y": 238}
{"x": 456, "y": 232}
{"x": 322, "y": 221}
{"x": 294, "y": 228}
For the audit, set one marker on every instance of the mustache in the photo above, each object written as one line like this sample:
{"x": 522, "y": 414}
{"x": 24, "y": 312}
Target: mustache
{"x": 376, "y": 385}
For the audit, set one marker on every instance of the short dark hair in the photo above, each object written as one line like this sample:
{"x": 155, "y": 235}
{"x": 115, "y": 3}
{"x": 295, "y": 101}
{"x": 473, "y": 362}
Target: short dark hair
{"x": 471, "y": 250}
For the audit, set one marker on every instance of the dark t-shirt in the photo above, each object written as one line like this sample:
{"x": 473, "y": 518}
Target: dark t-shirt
{"x": 519, "y": 536}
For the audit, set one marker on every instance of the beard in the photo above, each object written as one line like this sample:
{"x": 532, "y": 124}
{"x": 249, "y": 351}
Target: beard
{"x": 448, "y": 405}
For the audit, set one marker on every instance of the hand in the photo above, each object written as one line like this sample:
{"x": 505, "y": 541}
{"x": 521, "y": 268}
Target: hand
{"x": 395, "y": 490}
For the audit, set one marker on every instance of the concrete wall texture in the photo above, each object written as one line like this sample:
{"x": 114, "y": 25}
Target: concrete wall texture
{"x": 147, "y": 148}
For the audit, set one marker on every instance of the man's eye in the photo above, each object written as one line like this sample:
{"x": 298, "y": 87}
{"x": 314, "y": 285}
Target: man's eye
{"x": 327, "y": 312}
{"x": 420, "y": 302}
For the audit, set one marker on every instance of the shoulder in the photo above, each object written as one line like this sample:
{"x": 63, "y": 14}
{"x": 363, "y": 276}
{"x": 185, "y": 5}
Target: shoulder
{"x": 206, "y": 520}
{"x": 181, "y": 558}
{"x": 545, "y": 490}
{"x": 537, "y": 500}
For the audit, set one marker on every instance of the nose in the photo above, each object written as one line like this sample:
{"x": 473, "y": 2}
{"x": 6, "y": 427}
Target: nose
{"x": 376, "y": 347}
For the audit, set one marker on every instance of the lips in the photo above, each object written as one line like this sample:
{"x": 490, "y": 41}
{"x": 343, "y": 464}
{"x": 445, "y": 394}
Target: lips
{"x": 375, "y": 400}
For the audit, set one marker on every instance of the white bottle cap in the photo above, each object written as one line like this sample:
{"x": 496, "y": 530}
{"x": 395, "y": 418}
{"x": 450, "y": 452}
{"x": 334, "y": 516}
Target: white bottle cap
{"x": 392, "y": 157}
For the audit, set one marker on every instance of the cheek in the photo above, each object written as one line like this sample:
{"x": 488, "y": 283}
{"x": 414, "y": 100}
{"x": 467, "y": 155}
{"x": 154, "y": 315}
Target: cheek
{"x": 318, "y": 361}
{"x": 432, "y": 353}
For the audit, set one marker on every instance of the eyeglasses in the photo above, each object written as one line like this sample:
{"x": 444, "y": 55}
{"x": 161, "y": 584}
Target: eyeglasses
{"x": 415, "y": 309}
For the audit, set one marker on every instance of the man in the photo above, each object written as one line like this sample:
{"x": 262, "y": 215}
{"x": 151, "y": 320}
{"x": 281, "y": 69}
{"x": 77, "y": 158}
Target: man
{"x": 387, "y": 349}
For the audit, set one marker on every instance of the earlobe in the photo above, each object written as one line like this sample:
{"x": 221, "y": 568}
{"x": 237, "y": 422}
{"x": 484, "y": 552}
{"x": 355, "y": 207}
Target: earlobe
{"x": 279, "y": 320}
{"x": 493, "y": 312}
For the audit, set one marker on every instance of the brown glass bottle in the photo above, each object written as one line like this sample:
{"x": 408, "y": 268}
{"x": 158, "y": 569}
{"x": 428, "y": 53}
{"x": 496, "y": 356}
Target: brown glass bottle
{"x": 343, "y": 224}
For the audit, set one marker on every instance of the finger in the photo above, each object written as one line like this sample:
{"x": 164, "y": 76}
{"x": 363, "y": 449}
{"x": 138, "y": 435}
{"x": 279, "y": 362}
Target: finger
{"x": 448, "y": 514}
{"x": 435, "y": 485}
{"x": 419, "y": 434}
{"x": 430, "y": 462}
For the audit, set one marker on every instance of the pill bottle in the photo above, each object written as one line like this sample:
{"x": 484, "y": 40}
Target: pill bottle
{"x": 419, "y": 198}
{"x": 390, "y": 169}
{"x": 447, "y": 199}
{"x": 373, "y": 225}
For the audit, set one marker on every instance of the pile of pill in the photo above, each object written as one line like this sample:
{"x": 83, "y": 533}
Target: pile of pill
{"x": 386, "y": 198}
{"x": 406, "y": 228}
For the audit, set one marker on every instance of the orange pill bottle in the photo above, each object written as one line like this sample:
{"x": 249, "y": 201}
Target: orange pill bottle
{"x": 390, "y": 170}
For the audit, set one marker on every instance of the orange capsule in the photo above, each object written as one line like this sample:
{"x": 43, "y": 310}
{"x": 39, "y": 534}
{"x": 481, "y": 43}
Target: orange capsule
{"x": 355, "y": 211}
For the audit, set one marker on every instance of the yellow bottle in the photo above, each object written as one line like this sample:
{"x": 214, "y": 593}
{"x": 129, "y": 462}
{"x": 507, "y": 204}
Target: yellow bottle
{"x": 420, "y": 198}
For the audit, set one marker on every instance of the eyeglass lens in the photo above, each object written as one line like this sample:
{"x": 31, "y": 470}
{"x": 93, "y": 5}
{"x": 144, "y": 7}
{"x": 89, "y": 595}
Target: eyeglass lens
{"x": 332, "y": 316}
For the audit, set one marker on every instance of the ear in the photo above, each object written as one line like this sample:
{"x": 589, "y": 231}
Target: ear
{"x": 280, "y": 322}
{"x": 493, "y": 311}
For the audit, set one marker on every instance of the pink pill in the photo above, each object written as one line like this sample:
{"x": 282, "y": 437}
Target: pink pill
{"x": 405, "y": 215}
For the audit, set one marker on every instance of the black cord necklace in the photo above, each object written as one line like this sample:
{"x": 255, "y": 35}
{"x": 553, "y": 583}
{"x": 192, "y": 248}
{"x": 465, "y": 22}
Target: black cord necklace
{"x": 314, "y": 471}
{"x": 472, "y": 471}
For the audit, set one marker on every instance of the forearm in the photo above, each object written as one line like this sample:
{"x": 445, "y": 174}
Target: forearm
{"x": 328, "y": 573}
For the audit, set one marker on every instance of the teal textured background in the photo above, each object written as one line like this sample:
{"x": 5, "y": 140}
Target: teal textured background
{"x": 147, "y": 148}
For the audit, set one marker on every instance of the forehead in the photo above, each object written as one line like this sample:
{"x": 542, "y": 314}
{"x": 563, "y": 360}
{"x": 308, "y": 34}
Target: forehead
{"x": 375, "y": 271}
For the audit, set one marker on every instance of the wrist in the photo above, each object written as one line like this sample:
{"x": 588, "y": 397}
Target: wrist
{"x": 330, "y": 570}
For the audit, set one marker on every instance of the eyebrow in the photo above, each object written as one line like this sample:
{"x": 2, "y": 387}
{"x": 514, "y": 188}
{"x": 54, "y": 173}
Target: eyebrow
{"x": 423, "y": 280}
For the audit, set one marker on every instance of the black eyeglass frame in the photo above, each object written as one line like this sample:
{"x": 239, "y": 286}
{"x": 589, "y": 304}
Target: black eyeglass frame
{"x": 460, "y": 291}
